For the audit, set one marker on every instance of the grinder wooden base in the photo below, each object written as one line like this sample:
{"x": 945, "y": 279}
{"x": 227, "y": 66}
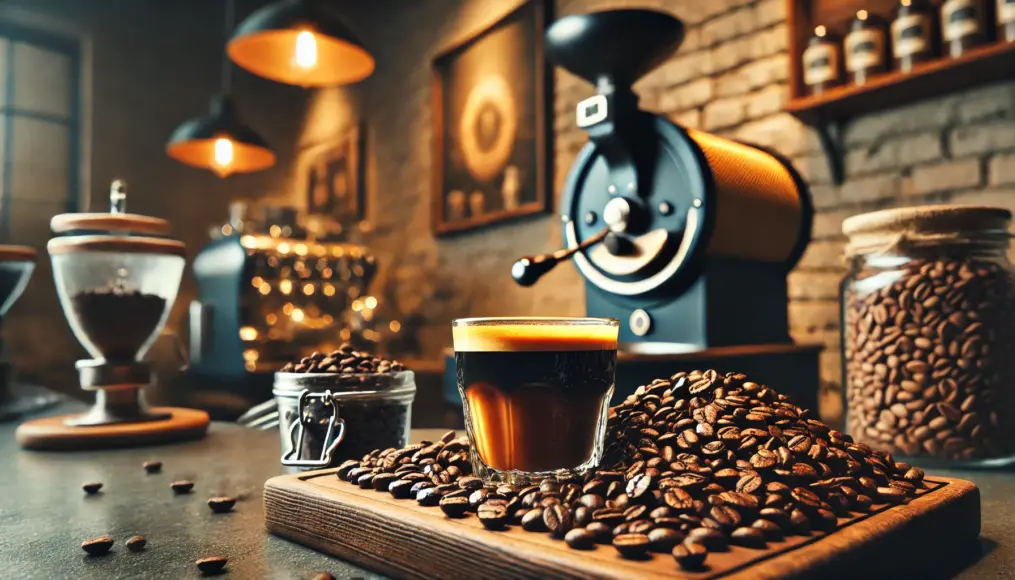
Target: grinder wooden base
{"x": 51, "y": 433}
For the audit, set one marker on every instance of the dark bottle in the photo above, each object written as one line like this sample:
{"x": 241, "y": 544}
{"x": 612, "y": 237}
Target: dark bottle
{"x": 1006, "y": 20}
{"x": 912, "y": 40}
{"x": 963, "y": 26}
{"x": 822, "y": 62}
{"x": 866, "y": 48}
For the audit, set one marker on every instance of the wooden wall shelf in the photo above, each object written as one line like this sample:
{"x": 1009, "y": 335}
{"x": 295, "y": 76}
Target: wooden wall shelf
{"x": 981, "y": 65}
{"x": 829, "y": 111}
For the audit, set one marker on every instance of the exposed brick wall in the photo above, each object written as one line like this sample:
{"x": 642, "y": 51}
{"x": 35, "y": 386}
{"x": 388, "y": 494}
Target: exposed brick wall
{"x": 730, "y": 77}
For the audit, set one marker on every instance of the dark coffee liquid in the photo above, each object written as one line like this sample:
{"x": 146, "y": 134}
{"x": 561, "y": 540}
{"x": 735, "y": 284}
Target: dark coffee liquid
{"x": 535, "y": 411}
{"x": 118, "y": 322}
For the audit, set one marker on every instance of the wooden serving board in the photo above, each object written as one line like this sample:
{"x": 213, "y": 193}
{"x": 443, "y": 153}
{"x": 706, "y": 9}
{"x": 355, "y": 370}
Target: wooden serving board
{"x": 404, "y": 540}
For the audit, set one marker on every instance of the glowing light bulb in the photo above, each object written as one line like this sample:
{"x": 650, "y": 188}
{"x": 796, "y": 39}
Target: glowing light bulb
{"x": 306, "y": 50}
{"x": 223, "y": 152}
{"x": 297, "y": 315}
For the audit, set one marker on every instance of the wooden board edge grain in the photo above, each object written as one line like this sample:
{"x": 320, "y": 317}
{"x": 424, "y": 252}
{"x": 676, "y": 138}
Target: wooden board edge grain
{"x": 389, "y": 537}
{"x": 353, "y": 534}
{"x": 896, "y": 542}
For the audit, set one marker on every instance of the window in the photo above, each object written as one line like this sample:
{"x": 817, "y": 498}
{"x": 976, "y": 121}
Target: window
{"x": 40, "y": 130}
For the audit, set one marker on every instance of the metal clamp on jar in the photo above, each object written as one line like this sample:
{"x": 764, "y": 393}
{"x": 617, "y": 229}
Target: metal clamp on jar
{"x": 929, "y": 333}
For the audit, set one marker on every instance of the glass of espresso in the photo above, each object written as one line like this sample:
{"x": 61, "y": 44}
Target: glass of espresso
{"x": 535, "y": 393}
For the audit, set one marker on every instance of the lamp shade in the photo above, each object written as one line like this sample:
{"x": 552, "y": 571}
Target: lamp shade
{"x": 220, "y": 142}
{"x": 300, "y": 42}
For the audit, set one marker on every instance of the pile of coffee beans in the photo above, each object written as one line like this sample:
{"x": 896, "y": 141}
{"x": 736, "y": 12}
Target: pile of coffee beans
{"x": 694, "y": 463}
{"x": 345, "y": 361}
{"x": 930, "y": 358}
{"x": 118, "y": 320}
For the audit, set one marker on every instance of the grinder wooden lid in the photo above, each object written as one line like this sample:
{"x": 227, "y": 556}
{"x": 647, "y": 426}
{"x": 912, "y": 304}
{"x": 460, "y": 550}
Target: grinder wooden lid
{"x": 109, "y": 222}
{"x": 17, "y": 254}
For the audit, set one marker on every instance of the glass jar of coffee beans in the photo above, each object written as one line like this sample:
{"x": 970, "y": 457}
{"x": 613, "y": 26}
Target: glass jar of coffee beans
{"x": 340, "y": 405}
{"x": 929, "y": 334}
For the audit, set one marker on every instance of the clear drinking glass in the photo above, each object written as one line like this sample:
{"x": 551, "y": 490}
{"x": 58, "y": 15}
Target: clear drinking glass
{"x": 535, "y": 393}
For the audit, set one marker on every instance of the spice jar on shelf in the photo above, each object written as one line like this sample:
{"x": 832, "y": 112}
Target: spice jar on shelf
{"x": 963, "y": 26}
{"x": 929, "y": 334}
{"x": 866, "y": 47}
{"x": 1006, "y": 20}
{"x": 822, "y": 62}
{"x": 912, "y": 39}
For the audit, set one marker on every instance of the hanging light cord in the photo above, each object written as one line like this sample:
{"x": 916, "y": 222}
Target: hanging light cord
{"x": 227, "y": 65}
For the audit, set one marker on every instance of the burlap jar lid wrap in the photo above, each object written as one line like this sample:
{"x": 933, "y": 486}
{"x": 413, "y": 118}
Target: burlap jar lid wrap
{"x": 891, "y": 229}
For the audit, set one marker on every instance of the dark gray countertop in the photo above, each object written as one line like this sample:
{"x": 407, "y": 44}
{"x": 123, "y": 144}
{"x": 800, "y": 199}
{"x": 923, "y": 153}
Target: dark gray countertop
{"x": 44, "y": 514}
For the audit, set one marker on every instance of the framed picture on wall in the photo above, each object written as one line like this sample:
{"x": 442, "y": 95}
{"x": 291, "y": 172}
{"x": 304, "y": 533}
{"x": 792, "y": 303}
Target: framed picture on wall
{"x": 492, "y": 101}
{"x": 332, "y": 177}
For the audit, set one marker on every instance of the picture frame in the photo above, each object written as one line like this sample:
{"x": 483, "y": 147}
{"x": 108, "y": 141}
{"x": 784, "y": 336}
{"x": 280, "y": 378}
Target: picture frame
{"x": 492, "y": 146}
{"x": 330, "y": 176}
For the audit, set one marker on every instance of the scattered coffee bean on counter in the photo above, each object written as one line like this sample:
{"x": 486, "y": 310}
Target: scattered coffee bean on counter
{"x": 346, "y": 360}
{"x": 152, "y": 466}
{"x": 97, "y": 546}
{"x": 211, "y": 564}
{"x": 322, "y": 576}
{"x": 182, "y": 486}
{"x": 136, "y": 543}
{"x": 222, "y": 504}
{"x": 694, "y": 463}
{"x": 930, "y": 360}
{"x": 92, "y": 488}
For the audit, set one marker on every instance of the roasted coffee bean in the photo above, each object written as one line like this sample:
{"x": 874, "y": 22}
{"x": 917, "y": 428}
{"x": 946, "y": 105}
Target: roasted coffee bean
{"x": 92, "y": 488}
{"x": 428, "y": 497}
{"x": 493, "y": 516}
{"x": 221, "y": 504}
{"x": 748, "y": 537}
{"x": 97, "y": 546}
{"x": 470, "y": 483}
{"x": 418, "y": 487}
{"x": 632, "y": 546}
{"x": 771, "y": 530}
{"x": 400, "y": 488}
{"x": 591, "y": 501}
{"x": 454, "y": 507}
{"x": 663, "y": 540}
{"x": 153, "y": 466}
{"x": 211, "y": 564}
{"x": 603, "y": 533}
{"x": 477, "y": 497}
{"x": 690, "y": 556}
{"x": 713, "y": 540}
{"x": 580, "y": 539}
{"x": 532, "y": 521}
{"x": 383, "y": 481}
{"x": 557, "y": 520}
{"x": 582, "y": 516}
{"x": 136, "y": 543}
{"x": 342, "y": 472}
{"x": 182, "y": 486}
{"x": 366, "y": 481}
{"x": 322, "y": 576}
{"x": 749, "y": 483}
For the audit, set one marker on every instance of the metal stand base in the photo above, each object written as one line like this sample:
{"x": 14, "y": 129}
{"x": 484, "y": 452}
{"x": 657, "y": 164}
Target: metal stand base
{"x": 118, "y": 394}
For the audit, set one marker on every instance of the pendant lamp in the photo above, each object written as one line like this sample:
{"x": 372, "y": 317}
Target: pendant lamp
{"x": 300, "y": 42}
{"x": 219, "y": 141}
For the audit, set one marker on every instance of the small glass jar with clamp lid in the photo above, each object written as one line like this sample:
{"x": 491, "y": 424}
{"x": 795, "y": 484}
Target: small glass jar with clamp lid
{"x": 326, "y": 418}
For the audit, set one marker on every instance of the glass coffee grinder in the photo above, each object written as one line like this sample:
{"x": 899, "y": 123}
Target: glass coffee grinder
{"x": 117, "y": 275}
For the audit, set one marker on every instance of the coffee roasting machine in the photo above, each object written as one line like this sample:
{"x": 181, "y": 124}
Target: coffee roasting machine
{"x": 683, "y": 236}
{"x": 266, "y": 295}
